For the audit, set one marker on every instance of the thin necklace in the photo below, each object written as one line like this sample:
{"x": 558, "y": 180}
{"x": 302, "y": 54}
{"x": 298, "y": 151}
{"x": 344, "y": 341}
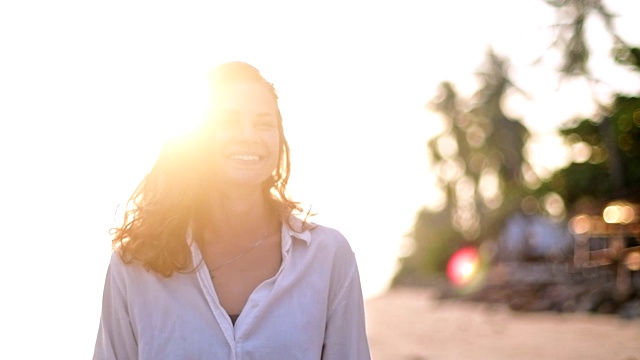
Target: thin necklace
{"x": 238, "y": 256}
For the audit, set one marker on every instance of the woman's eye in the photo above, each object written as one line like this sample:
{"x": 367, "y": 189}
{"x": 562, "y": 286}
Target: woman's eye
{"x": 266, "y": 124}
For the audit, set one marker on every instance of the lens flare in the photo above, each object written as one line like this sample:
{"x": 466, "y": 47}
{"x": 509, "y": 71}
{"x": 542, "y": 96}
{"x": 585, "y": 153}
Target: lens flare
{"x": 463, "y": 265}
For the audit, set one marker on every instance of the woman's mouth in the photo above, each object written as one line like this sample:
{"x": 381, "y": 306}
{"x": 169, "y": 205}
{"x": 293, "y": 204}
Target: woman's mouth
{"x": 244, "y": 157}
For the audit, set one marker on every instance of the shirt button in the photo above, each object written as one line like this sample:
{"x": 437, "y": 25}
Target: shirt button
{"x": 254, "y": 306}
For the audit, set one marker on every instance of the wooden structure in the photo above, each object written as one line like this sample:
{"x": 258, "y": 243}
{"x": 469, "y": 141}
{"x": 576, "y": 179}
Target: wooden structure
{"x": 610, "y": 240}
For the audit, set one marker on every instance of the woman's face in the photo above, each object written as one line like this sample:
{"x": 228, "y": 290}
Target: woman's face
{"x": 246, "y": 137}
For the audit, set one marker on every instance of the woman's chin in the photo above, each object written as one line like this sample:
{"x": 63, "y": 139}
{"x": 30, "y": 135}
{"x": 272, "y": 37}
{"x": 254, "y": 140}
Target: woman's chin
{"x": 242, "y": 181}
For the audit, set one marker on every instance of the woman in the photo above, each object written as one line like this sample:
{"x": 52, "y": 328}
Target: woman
{"x": 211, "y": 263}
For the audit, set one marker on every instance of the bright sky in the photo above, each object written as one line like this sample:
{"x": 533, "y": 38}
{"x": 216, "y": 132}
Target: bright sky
{"x": 90, "y": 89}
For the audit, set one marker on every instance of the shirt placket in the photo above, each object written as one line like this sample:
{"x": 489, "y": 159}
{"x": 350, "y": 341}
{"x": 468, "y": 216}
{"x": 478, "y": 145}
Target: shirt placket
{"x": 250, "y": 312}
{"x": 258, "y": 298}
{"x": 223, "y": 320}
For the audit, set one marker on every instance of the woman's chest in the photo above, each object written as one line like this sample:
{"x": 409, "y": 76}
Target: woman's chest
{"x": 186, "y": 322}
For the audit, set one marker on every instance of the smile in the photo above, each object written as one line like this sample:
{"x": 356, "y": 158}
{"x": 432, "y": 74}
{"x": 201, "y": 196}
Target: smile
{"x": 245, "y": 157}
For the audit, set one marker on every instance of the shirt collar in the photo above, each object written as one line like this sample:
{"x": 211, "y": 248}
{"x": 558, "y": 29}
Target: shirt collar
{"x": 295, "y": 229}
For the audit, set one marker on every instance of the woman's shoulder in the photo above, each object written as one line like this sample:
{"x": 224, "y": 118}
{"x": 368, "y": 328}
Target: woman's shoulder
{"x": 122, "y": 266}
{"x": 327, "y": 231}
{"x": 320, "y": 239}
{"x": 332, "y": 246}
{"x": 327, "y": 236}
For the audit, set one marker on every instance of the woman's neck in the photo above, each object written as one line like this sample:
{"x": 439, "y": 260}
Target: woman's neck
{"x": 241, "y": 216}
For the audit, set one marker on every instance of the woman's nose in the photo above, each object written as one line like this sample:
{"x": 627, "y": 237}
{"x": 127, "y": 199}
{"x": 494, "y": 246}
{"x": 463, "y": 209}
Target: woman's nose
{"x": 246, "y": 130}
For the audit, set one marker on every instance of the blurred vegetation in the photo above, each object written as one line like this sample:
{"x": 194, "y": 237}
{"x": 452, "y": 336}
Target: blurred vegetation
{"x": 608, "y": 164}
{"x": 479, "y": 159}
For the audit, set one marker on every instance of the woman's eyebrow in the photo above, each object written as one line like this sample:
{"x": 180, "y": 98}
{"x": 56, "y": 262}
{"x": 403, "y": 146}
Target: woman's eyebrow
{"x": 224, "y": 111}
{"x": 265, "y": 114}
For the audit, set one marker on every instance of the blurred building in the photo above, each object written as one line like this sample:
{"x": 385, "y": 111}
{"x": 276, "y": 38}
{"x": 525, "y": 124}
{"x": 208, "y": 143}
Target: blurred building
{"x": 534, "y": 238}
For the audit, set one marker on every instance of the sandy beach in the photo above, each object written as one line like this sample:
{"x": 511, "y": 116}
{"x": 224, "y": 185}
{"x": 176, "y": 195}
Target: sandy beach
{"x": 412, "y": 324}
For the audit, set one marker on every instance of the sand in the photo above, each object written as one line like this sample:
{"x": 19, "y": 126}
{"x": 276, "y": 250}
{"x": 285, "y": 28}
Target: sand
{"x": 411, "y": 324}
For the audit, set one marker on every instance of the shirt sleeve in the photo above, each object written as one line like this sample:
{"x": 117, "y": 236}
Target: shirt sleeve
{"x": 116, "y": 339}
{"x": 345, "y": 336}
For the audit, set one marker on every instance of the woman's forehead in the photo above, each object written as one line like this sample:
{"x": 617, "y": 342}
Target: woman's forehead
{"x": 244, "y": 96}
{"x": 236, "y": 112}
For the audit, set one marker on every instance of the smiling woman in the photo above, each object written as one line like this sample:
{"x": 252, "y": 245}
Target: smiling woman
{"x": 212, "y": 261}
{"x": 245, "y": 134}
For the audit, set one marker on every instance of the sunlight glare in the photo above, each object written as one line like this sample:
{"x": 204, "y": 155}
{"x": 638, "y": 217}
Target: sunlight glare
{"x": 187, "y": 109}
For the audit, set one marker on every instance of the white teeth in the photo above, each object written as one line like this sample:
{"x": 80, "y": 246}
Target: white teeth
{"x": 245, "y": 157}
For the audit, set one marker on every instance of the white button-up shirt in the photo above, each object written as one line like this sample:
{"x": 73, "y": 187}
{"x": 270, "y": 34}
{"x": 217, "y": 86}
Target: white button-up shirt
{"x": 311, "y": 309}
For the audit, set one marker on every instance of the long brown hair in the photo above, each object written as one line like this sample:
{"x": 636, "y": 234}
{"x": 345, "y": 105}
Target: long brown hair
{"x": 170, "y": 198}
